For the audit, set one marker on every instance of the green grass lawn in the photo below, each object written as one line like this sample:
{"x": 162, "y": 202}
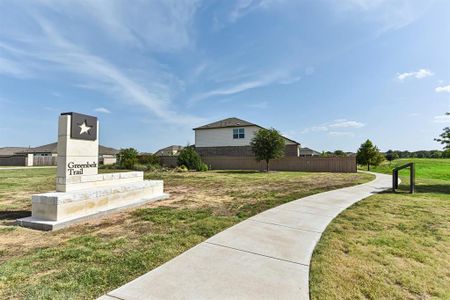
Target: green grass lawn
{"x": 390, "y": 245}
{"x": 87, "y": 260}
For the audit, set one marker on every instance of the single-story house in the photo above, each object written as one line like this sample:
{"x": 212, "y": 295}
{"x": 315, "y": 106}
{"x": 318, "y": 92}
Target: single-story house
{"x": 306, "y": 152}
{"x": 232, "y": 137}
{"x": 106, "y": 155}
{"x": 173, "y": 150}
{"x": 6, "y": 151}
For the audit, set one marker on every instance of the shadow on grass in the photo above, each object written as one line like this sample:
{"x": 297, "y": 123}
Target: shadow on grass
{"x": 426, "y": 188}
{"x": 237, "y": 172}
{"x": 434, "y": 188}
{"x": 13, "y": 215}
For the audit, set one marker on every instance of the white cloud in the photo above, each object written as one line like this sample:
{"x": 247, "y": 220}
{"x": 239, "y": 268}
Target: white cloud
{"x": 336, "y": 124}
{"x": 422, "y": 73}
{"x": 387, "y": 14}
{"x": 102, "y": 110}
{"x": 11, "y": 67}
{"x": 290, "y": 80}
{"x": 241, "y": 8}
{"x": 343, "y": 123}
{"x": 365, "y": 4}
{"x": 164, "y": 27}
{"x": 238, "y": 88}
{"x": 443, "y": 89}
{"x": 51, "y": 50}
{"x": 442, "y": 119}
{"x": 268, "y": 78}
{"x": 319, "y": 128}
{"x": 341, "y": 133}
{"x": 244, "y": 7}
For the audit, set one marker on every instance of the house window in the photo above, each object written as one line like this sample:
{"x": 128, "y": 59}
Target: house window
{"x": 238, "y": 133}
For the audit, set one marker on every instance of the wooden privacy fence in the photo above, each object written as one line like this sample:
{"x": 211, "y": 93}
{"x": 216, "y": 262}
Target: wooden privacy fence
{"x": 168, "y": 161}
{"x": 44, "y": 161}
{"x": 305, "y": 164}
{"x": 13, "y": 160}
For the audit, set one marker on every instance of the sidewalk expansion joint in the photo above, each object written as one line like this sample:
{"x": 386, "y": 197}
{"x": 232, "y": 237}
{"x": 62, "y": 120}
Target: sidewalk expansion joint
{"x": 259, "y": 254}
{"x": 114, "y": 297}
{"x": 281, "y": 225}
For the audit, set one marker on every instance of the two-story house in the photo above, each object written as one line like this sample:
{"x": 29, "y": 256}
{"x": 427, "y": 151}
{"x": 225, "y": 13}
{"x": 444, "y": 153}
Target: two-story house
{"x": 232, "y": 137}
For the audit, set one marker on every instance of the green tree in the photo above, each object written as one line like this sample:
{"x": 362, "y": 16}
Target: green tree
{"x": 444, "y": 137}
{"x": 267, "y": 144}
{"x": 326, "y": 154}
{"x": 128, "y": 157}
{"x": 191, "y": 159}
{"x": 368, "y": 154}
{"x": 339, "y": 153}
{"x": 391, "y": 155}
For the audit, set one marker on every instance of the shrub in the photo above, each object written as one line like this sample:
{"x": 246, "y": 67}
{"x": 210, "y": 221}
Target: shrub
{"x": 154, "y": 167}
{"x": 127, "y": 158}
{"x": 202, "y": 167}
{"x": 181, "y": 168}
{"x": 148, "y": 159}
{"x": 191, "y": 159}
{"x": 140, "y": 167}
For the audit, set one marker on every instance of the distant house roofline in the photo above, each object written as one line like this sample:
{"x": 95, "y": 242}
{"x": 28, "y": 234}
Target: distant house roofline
{"x": 306, "y": 150}
{"x": 52, "y": 148}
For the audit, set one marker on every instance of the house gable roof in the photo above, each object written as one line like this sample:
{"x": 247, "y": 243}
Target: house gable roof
{"x": 230, "y": 122}
{"x": 170, "y": 148}
{"x": 11, "y": 150}
{"x": 234, "y": 122}
{"x": 306, "y": 150}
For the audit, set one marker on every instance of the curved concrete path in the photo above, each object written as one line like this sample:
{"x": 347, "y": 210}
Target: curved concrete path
{"x": 264, "y": 257}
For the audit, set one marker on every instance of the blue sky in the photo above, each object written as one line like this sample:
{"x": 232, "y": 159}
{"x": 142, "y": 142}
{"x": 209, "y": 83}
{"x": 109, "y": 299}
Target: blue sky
{"x": 328, "y": 74}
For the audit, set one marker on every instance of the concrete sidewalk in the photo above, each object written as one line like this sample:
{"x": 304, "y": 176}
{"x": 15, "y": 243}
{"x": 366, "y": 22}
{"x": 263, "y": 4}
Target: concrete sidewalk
{"x": 264, "y": 257}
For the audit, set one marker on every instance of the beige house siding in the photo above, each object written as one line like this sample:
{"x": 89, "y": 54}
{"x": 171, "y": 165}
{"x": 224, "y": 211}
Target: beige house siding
{"x": 222, "y": 137}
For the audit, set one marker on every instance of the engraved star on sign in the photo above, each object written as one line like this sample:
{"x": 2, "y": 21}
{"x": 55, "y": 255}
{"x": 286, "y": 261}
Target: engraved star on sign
{"x": 84, "y": 128}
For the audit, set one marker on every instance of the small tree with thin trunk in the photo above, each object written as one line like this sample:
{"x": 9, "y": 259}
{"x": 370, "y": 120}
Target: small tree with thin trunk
{"x": 368, "y": 154}
{"x": 444, "y": 137}
{"x": 267, "y": 144}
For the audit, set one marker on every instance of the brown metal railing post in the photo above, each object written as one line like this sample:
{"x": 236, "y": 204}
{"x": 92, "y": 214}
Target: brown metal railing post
{"x": 394, "y": 180}
{"x": 412, "y": 179}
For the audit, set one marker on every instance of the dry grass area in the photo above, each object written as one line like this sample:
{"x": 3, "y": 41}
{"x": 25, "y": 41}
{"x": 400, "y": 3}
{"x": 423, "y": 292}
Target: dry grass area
{"x": 87, "y": 260}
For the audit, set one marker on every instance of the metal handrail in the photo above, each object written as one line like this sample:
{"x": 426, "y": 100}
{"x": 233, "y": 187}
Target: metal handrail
{"x": 412, "y": 177}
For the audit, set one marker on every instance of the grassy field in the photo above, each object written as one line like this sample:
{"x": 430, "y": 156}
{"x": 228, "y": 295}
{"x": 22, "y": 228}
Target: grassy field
{"x": 391, "y": 245}
{"x": 87, "y": 260}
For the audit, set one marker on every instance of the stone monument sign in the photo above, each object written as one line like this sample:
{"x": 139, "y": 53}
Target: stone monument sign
{"x": 77, "y": 150}
{"x": 82, "y": 193}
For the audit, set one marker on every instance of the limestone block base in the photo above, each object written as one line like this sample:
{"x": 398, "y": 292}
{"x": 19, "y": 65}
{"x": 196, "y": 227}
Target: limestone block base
{"x": 52, "y": 211}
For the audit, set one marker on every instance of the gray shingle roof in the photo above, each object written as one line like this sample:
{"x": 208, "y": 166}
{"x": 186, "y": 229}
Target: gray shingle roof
{"x": 11, "y": 150}
{"x": 306, "y": 150}
{"x": 230, "y": 122}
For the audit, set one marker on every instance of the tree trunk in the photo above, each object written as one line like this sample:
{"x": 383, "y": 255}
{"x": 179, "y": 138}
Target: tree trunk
{"x": 368, "y": 167}
{"x": 267, "y": 166}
